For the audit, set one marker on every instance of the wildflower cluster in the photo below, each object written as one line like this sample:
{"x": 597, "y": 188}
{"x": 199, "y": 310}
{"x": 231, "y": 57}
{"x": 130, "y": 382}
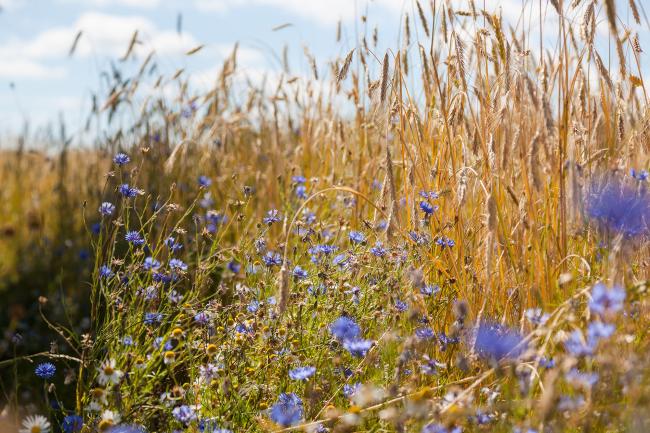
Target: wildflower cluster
{"x": 433, "y": 265}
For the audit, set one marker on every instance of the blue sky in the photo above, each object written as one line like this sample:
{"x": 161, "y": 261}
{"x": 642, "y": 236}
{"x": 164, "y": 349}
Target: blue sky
{"x": 36, "y": 36}
{"x": 39, "y": 81}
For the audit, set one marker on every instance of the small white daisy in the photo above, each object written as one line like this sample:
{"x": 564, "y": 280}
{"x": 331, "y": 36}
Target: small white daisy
{"x": 169, "y": 357}
{"x": 109, "y": 419}
{"x": 108, "y": 373}
{"x": 99, "y": 395}
{"x": 35, "y": 424}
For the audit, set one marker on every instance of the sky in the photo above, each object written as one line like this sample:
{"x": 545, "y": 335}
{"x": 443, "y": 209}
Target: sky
{"x": 39, "y": 81}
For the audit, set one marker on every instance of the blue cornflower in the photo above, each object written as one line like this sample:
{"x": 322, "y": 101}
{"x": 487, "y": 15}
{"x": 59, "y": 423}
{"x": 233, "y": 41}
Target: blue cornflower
{"x": 171, "y": 243}
{"x": 418, "y": 238}
{"x": 425, "y": 333}
{"x": 355, "y": 292}
{"x": 107, "y": 208}
{"x": 439, "y": 428}
{"x": 202, "y": 318}
{"x": 429, "y": 290}
{"x": 340, "y": 260}
{"x": 639, "y": 175}
{"x": 428, "y": 208}
{"x": 350, "y": 389}
{"x": 127, "y": 191}
{"x": 327, "y": 249}
{"x": 204, "y": 181}
{"x": 567, "y": 403}
{"x": 287, "y": 411}
{"x": 299, "y": 273}
{"x": 121, "y": 159}
{"x": 483, "y": 418}
{"x": 431, "y": 195}
{"x": 105, "y": 271}
{"x": 150, "y": 263}
{"x": 546, "y": 362}
{"x": 585, "y": 380}
{"x": 597, "y": 331}
{"x": 134, "y": 238}
{"x": 272, "y": 258}
{"x": 241, "y": 328}
{"x": 303, "y": 233}
{"x": 211, "y": 426}
{"x": 301, "y": 191}
{"x": 157, "y": 342}
{"x": 175, "y": 297}
{"x": 445, "y": 242}
{"x": 309, "y": 217}
{"x": 401, "y": 306}
{"x": 606, "y": 301}
{"x": 253, "y": 306}
{"x": 497, "y": 342}
{"x": 619, "y": 207}
{"x": 272, "y": 216}
{"x": 184, "y": 414}
{"x": 344, "y": 328}
{"x": 206, "y": 201}
{"x": 72, "y": 423}
{"x": 357, "y": 237}
{"x": 302, "y": 373}
{"x": 150, "y": 293}
{"x": 177, "y": 265}
{"x": 160, "y": 277}
{"x": 214, "y": 217}
{"x": 299, "y": 179}
{"x": 234, "y": 267}
{"x": 317, "y": 290}
{"x": 378, "y": 250}
{"x": 576, "y": 344}
{"x": 446, "y": 341}
{"x": 152, "y": 318}
{"x": 214, "y": 220}
{"x": 315, "y": 254}
{"x": 45, "y": 370}
{"x": 536, "y": 316}
{"x": 358, "y": 347}
{"x": 322, "y": 249}
{"x": 429, "y": 366}
{"x": 127, "y": 340}
{"x": 260, "y": 245}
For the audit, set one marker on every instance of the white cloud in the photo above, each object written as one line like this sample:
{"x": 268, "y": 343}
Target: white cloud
{"x": 323, "y": 11}
{"x": 102, "y": 35}
{"x": 26, "y": 68}
{"x": 141, "y": 4}
{"x": 105, "y": 34}
{"x": 12, "y": 4}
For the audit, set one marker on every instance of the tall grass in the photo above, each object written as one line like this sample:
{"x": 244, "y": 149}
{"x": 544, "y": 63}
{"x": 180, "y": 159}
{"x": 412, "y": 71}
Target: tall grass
{"x": 487, "y": 177}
